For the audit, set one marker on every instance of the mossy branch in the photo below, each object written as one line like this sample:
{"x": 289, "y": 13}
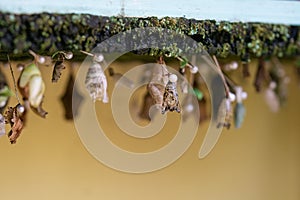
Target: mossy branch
{"x": 46, "y": 33}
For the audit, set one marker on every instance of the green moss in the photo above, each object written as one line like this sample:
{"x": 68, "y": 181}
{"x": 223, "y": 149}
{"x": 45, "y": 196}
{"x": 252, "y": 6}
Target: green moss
{"x": 46, "y": 33}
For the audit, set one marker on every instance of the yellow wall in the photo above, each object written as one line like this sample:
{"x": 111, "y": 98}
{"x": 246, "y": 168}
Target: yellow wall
{"x": 260, "y": 161}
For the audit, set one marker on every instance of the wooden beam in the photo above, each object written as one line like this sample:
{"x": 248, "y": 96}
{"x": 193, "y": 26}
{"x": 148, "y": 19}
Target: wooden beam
{"x": 266, "y": 11}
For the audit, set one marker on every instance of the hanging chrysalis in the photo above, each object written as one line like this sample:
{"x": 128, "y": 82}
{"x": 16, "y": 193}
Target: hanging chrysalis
{"x": 96, "y": 83}
{"x": 260, "y": 75}
{"x": 246, "y": 72}
{"x": 225, "y": 107}
{"x": 14, "y": 115}
{"x": 225, "y": 112}
{"x": 239, "y": 96}
{"x": 71, "y": 99}
{"x": 156, "y": 91}
{"x": 2, "y": 125}
{"x": 224, "y": 104}
{"x": 271, "y": 98}
{"x": 59, "y": 65}
{"x": 239, "y": 111}
{"x": 95, "y": 80}
{"x": 32, "y": 88}
{"x": 119, "y": 77}
{"x": 278, "y": 75}
{"x": 283, "y": 90}
{"x": 156, "y": 86}
{"x": 170, "y": 98}
{"x": 5, "y": 92}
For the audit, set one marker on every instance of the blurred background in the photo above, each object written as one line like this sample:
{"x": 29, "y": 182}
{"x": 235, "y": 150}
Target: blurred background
{"x": 258, "y": 161}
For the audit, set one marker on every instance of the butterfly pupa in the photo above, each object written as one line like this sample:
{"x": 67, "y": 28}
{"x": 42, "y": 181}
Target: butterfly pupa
{"x": 224, "y": 114}
{"x": 240, "y": 110}
{"x": 96, "y": 83}
{"x": 156, "y": 86}
{"x": 32, "y": 88}
{"x": 2, "y": 125}
{"x": 271, "y": 98}
{"x": 170, "y": 98}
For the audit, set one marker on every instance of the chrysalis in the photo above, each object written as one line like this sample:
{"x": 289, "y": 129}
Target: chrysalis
{"x": 156, "y": 86}
{"x": 95, "y": 80}
{"x": 260, "y": 75}
{"x": 271, "y": 98}
{"x": 156, "y": 91}
{"x": 96, "y": 83}
{"x": 32, "y": 88}
{"x": 59, "y": 64}
{"x": 225, "y": 113}
{"x": 246, "y": 72}
{"x": 222, "y": 104}
{"x": 278, "y": 75}
{"x": 13, "y": 116}
{"x": 170, "y": 98}
{"x": 239, "y": 111}
{"x": 160, "y": 74}
{"x": 2, "y": 125}
{"x": 283, "y": 90}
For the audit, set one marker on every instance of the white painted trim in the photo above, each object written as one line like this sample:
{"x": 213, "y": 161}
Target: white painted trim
{"x": 267, "y": 11}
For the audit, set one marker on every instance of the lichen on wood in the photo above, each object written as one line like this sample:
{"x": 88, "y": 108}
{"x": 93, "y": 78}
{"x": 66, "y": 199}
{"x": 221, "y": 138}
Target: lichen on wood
{"x": 46, "y": 33}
